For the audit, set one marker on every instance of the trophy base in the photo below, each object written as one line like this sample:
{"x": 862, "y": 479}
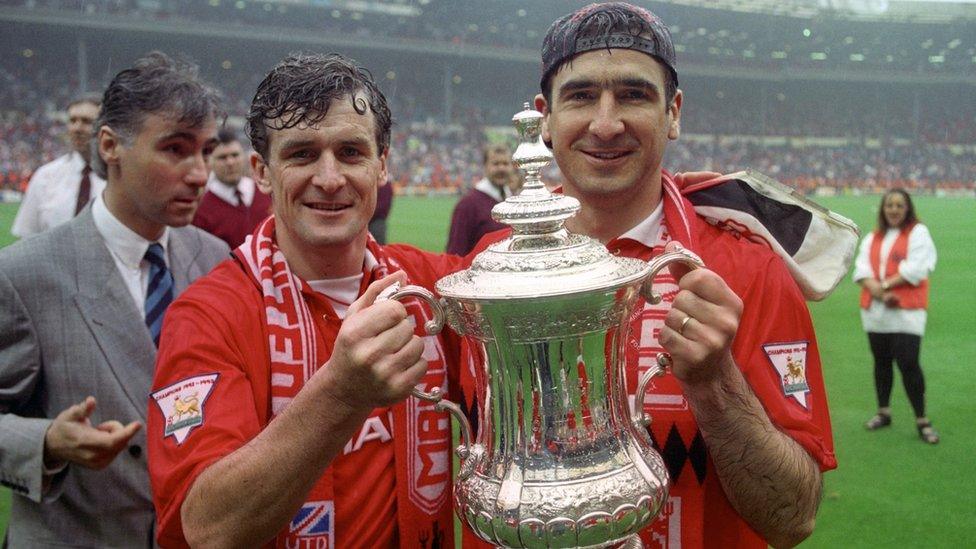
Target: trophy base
{"x": 595, "y": 512}
{"x": 632, "y": 542}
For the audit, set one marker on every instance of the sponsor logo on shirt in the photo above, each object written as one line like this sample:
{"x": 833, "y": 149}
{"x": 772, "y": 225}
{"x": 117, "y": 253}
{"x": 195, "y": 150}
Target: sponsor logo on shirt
{"x": 790, "y": 362}
{"x": 312, "y": 526}
{"x": 182, "y": 404}
{"x": 375, "y": 428}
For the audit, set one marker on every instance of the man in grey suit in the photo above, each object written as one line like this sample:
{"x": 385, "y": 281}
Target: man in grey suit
{"x": 82, "y": 306}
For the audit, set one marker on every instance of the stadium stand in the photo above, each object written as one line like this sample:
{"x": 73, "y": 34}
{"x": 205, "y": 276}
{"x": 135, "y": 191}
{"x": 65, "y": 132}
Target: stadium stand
{"x": 825, "y": 95}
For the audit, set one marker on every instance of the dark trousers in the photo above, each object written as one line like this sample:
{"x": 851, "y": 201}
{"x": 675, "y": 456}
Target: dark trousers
{"x": 904, "y": 350}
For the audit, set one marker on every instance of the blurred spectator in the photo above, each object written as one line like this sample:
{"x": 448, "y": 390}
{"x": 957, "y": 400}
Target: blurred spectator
{"x": 60, "y": 189}
{"x": 472, "y": 219}
{"x": 232, "y": 206}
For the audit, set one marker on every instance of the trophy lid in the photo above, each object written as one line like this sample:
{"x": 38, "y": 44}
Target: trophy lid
{"x": 540, "y": 258}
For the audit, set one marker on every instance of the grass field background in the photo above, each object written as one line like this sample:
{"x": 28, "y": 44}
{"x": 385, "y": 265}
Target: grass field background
{"x": 890, "y": 490}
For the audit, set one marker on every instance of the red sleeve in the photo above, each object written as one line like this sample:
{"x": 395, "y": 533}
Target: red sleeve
{"x": 487, "y": 240}
{"x": 425, "y": 268}
{"x": 776, "y": 328}
{"x": 207, "y": 333}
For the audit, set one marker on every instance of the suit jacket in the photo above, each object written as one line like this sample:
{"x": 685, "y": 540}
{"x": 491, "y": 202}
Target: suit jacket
{"x": 69, "y": 328}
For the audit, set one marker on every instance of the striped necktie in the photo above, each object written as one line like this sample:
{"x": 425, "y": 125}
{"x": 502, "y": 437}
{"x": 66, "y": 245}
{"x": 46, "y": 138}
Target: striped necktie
{"x": 160, "y": 292}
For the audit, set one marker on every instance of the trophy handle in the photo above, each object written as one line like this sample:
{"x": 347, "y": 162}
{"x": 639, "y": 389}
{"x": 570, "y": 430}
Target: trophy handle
{"x": 640, "y": 418}
{"x": 689, "y": 258}
{"x": 683, "y": 255}
{"x": 434, "y": 327}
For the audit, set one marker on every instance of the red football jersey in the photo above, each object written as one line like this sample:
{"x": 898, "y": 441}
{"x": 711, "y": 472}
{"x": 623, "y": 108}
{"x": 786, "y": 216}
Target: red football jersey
{"x": 220, "y": 347}
{"x": 776, "y": 350}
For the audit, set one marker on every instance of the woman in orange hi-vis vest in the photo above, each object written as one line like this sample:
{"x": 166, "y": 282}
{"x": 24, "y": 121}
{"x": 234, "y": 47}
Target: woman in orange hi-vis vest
{"x": 893, "y": 267}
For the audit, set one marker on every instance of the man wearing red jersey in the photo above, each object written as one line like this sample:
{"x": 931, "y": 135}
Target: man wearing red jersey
{"x": 741, "y": 419}
{"x": 280, "y": 413}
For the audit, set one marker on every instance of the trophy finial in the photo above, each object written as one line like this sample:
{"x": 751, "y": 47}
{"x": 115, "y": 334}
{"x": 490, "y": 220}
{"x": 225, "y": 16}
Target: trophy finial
{"x": 532, "y": 155}
{"x": 535, "y": 210}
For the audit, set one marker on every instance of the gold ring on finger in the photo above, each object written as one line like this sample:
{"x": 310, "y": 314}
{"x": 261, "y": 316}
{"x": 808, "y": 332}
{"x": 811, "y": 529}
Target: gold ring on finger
{"x": 681, "y": 329}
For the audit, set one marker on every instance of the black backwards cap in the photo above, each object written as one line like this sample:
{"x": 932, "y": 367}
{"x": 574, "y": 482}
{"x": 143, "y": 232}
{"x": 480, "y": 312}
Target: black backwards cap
{"x": 604, "y": 26}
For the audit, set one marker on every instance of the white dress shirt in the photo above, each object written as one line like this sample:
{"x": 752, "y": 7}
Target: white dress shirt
{"x": 648, "y": 231}
{"x": 128, "y": 249}
{"x": 489, "y": 188}
{"x": 878, "y": 318}
{"x": 226, "y": 193}
{"x": 52, "y": 195}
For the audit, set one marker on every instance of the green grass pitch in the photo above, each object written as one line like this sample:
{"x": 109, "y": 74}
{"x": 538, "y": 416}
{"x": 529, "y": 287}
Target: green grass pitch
{"x": 890, "y": 490}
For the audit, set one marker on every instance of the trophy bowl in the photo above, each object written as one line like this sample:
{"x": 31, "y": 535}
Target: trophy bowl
{"x": 560, "y": 459}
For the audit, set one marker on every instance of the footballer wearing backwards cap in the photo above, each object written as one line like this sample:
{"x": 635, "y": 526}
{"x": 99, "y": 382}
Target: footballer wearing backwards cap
{"x": 741, "y": 419}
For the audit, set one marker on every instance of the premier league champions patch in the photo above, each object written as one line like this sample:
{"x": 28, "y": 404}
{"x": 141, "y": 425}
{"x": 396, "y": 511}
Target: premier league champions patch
{"x": 182, "y": 404}
{"x": 790, "y": 362}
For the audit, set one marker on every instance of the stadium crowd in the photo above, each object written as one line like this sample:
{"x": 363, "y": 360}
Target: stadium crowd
{"x": 842, "y": 168}
{"x": 839, "y": 136}
{"x": 947, "y": 121}
{"x": 430, "y": 156}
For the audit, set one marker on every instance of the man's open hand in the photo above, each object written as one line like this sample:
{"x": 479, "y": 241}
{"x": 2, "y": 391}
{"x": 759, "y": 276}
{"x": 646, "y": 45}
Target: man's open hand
{"x": 72, "y": 438}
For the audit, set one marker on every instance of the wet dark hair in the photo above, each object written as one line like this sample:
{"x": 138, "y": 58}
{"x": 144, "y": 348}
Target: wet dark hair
{"x": 603, "y": 24}
{"x": 155, "y": 84}
{"x": 910, "y": 216}
{"x": 300, "y": 89}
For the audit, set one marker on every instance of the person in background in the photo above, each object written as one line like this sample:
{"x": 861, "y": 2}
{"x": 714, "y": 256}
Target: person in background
{"x": 83, "y": 305}
{"x": 471, "y": 219}
{"x": 232, "y": 206}
{"x": 60, "y": 189}
{"x": 893, "y": 267}
{"x": 384, "y": 203}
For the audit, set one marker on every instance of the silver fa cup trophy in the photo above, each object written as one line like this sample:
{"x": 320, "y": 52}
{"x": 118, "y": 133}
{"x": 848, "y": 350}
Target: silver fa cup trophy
{"x": 560, "y": 458}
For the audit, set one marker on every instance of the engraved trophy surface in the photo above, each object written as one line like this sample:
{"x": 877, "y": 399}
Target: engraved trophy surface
{"x": 560, "y": 459}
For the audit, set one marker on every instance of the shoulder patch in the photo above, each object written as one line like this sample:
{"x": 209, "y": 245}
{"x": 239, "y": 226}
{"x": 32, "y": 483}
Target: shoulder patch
{"x": 182, "y": 404}
{"x": 790, "y": 362}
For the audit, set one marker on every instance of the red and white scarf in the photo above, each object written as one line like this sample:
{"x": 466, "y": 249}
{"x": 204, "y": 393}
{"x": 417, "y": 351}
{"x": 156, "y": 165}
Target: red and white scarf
{"x": 296, "y": 352}
{"x": 291, "y": 332}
